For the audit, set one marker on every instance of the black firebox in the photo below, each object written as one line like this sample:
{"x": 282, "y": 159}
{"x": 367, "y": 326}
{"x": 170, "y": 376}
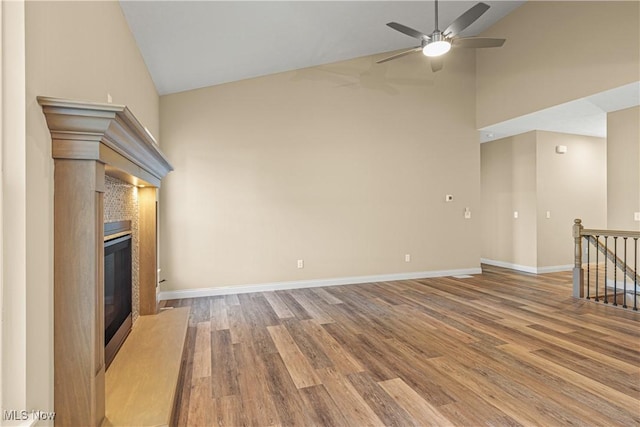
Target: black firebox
{"x": 117, "y": 291}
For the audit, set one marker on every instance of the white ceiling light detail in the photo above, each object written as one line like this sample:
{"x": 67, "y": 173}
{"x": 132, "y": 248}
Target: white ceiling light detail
{"x": 437, "y": 46}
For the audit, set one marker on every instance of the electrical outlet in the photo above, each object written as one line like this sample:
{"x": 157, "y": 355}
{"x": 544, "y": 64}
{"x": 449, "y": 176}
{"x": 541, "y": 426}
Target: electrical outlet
{"x": 515, "y": 214}
{"x": 407, "y": 258}
{"x": 300, "y": 263}
{"x": 467, "y": 213}
{"x": 109, "y": 98}
{"x": 636, "y": 216}
{"x": 548, "y": 214}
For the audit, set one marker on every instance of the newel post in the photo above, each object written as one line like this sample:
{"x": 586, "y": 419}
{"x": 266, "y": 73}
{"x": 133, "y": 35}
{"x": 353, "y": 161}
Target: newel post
{"x": 578, "y": 273}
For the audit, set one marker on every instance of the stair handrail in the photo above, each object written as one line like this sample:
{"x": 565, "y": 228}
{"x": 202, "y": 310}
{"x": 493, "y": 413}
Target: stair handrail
{"x": 610, "y": 233}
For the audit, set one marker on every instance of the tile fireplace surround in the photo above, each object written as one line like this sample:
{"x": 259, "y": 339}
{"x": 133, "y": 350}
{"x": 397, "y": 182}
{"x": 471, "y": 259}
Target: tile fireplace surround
{"x": 91, "y": 141}
{"x": 121, "y": 204}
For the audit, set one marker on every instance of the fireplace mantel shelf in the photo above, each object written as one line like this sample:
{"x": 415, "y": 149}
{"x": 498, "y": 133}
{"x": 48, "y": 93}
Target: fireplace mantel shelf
{"x": 108, "y": 133}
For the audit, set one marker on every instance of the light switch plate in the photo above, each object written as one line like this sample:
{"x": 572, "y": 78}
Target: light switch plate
{"x": 636, "y": 216}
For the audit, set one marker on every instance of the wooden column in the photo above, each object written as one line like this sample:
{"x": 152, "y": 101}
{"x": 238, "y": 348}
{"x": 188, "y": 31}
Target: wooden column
{"x": 78, "y": 293}
{"x": 148, "y": 250}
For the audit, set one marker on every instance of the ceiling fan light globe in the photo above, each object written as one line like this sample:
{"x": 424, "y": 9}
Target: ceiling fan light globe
{"x": 436, "y": 48}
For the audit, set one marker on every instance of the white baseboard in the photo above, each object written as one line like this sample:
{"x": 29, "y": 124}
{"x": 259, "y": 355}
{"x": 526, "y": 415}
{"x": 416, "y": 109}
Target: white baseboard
{"x": 555, "y": 268}
{"x": 526, "y": 268}
{"x": 275, "y": 286}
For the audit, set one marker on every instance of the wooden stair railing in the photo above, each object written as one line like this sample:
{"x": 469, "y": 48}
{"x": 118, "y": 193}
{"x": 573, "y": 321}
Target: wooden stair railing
{"x": 620, "y": 290}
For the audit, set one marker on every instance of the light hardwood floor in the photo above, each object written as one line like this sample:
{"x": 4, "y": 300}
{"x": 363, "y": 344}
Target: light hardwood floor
{"x": 500, "y": 348}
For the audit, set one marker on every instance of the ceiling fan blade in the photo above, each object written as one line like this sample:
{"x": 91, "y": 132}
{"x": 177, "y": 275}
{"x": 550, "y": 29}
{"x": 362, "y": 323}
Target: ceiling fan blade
{"x": 478, "y": 42}
{"x": 436, "y": 64}
{"x": 401, "y": 54}
{"x": 408, "y": 31}
{"x": 466, "y": 19}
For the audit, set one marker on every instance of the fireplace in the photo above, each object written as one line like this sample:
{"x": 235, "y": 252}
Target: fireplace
{"x": 90, "y": 141}
{"x": 117, "y": 287}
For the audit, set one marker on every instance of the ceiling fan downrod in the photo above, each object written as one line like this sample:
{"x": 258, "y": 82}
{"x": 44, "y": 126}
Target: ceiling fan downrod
{"x": 437, "y": 44}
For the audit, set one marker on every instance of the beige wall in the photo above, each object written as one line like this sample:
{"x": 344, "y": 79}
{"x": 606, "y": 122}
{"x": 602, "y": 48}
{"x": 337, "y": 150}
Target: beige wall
{"x": 556, "y": 52}
{"x": 542, "y": 66}
{"x": 524, "y": 173}
{"x": 85, "y": 50}
{"x": 78, "y": 50}
{"x": 3, "y": 102}
{"x": 344, "y": 166}
{"x": 623, "y": 156}
{"x": 569, "y": 186}
{"x": 12, "y": 122}
{"x": 508, "y": 168}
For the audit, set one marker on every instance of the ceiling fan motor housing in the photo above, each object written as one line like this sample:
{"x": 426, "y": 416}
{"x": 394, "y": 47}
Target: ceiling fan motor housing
{"x": 437, "y": 36}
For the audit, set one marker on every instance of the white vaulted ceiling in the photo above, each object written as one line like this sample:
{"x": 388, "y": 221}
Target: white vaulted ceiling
{"x": 192, "y": 44}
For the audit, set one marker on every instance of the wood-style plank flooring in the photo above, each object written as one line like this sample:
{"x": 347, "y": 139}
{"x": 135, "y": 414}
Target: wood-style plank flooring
{"x": 501, "y": 348}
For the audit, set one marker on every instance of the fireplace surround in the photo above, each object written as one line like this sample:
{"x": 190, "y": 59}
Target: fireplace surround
{"x": 90, "y": 141}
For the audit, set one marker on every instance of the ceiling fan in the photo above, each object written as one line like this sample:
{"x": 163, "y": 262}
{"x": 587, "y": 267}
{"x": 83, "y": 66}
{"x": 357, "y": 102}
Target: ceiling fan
{"x": 439, "y": 42}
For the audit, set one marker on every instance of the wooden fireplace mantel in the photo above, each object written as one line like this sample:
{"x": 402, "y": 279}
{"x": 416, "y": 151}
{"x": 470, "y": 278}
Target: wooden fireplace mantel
{"x": 90, "y": 140}
{"x": 107, "y": 133}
